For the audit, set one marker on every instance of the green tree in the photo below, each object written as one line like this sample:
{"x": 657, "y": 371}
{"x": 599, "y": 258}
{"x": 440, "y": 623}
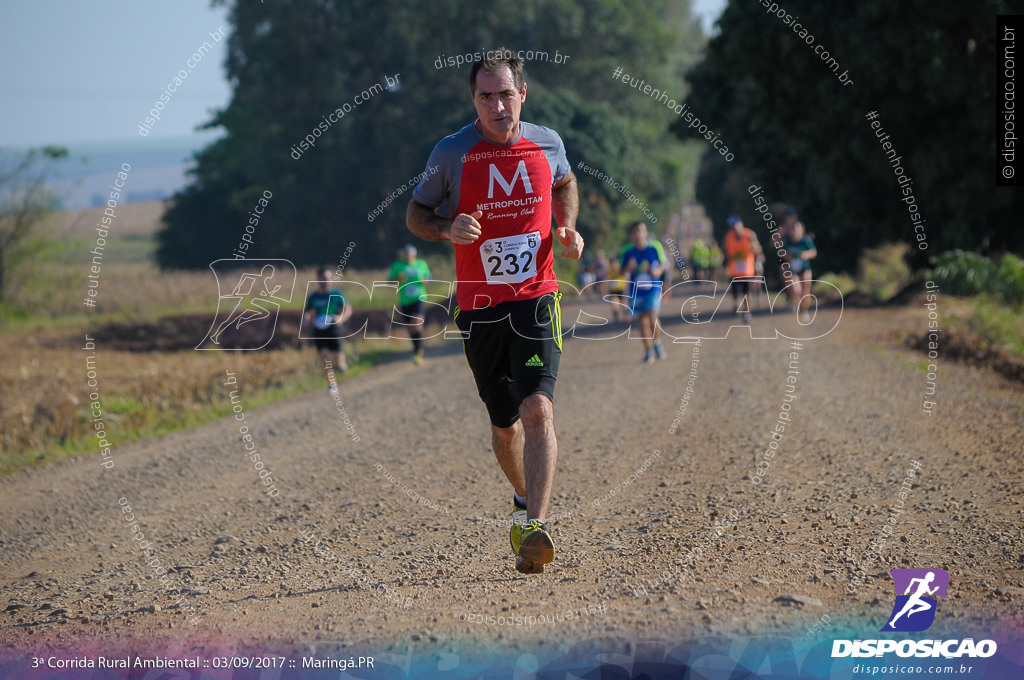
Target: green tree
{"x": 802, "y": 135}
{"x": 291, "y": 63}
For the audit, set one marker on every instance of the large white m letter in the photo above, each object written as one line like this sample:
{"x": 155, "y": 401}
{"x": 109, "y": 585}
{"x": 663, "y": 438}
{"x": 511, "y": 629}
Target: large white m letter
{"x": 507, "y": 186}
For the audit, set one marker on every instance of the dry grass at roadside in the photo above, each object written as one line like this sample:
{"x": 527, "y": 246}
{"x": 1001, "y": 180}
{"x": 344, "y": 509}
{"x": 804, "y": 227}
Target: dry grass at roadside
{"x": 46, "y": 412}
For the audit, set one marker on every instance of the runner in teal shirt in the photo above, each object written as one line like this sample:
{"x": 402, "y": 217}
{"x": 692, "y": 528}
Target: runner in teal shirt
{"x": 326, "y": 309}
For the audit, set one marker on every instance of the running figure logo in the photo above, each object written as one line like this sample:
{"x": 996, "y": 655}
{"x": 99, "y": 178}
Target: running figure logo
{"x": 256, "y": 294}
{"x": 915, "y": 608}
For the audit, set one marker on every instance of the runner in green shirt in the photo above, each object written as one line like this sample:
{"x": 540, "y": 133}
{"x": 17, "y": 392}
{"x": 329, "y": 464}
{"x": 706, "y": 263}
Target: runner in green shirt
{"x": 410, "y": 272}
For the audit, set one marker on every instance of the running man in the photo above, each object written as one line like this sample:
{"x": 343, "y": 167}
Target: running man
{"x": 914, "y": 603}
{"x": 800, "y": 251}
{"x": 789, "y": 218}
{"x": 410, "y": 272}
{"x": 716, "y": 258}
{"x": 617, "y": 292}
{"x": 644, "y": 266}
{"x": 602, "y": 268}
{"x": 655, "y": 243}
{"x": 700, "y": 256}
{"x": 322, "y": 310}
{"x": 742, "y": 251}
{"x": 503, "y": 180}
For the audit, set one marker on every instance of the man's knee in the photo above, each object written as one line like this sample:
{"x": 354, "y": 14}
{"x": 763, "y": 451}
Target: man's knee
{"x": 504, "y": 436}
{"x": 536, "y": 410}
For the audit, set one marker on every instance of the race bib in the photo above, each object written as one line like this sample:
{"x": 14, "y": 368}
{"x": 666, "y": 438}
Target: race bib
{"x": 322, "y": 321}
{"x": 510, "y": 259}
{"x": 742, "y": 268}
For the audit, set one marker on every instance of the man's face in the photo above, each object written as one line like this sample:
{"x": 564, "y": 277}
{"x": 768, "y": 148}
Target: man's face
{"x": 640, "y": 236}
{"x": 738, "y": 228}
{"x": 498, "y": 105}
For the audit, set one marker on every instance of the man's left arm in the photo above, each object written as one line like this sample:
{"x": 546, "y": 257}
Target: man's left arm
{"x": 346, "y": 311}
{"x": 565, "y": 199}
{"x": 811, "y": 252}
{"x": 658, "y": 266}
{"x": 756, "y": 247}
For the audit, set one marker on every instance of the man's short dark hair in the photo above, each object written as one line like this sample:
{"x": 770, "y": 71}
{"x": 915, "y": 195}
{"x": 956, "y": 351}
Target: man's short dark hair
{"x": 633, "y": 226}
{"x": 491, "y": 64}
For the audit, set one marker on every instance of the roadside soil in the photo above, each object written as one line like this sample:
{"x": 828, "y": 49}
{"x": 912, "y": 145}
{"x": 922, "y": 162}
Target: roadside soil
{"x": 398, "y": 542}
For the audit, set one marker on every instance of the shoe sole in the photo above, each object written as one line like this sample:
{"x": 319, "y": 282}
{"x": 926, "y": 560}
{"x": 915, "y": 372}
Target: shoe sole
{"x": 535, "y": 551}
{"x": 524, "y": 567}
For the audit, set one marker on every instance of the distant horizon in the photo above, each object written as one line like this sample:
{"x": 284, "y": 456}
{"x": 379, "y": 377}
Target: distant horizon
{"x": 127, "y": 142}
{"x": 159, "y": 167}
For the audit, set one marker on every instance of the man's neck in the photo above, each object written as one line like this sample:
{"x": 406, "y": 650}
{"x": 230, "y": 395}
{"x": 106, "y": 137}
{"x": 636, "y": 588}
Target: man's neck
{"x": 511, "y": 136}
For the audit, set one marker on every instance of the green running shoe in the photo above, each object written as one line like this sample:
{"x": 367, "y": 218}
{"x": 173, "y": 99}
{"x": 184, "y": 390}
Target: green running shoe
{"x": 532, "y": 545}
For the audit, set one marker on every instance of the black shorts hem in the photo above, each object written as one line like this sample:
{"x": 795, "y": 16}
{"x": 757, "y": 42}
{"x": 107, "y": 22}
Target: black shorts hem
{"x": 414, "y": 313}
{"x": 514, "y": 351}
{"x": 329, "y": 342}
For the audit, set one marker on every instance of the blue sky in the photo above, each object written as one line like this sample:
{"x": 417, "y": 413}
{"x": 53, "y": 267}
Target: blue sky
{"x": 90, "y": 71}
{"x": 86, "y": 72}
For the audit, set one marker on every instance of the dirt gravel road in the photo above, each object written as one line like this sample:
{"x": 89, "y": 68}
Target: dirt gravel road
{"x": 665, "y": 525}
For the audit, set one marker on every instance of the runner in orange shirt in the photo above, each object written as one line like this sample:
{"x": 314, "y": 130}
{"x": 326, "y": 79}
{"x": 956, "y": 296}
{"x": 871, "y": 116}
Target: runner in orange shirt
{"x": 742, "y": 253}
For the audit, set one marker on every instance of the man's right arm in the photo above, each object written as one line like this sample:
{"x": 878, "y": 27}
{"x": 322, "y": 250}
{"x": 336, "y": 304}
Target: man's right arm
{"x": 430, "y": 226}
{"x": 426, "y": 223}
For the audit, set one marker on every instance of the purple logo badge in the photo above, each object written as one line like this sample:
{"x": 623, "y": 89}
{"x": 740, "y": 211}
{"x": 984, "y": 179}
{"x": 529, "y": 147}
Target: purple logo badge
{"x": 916, "y": 590}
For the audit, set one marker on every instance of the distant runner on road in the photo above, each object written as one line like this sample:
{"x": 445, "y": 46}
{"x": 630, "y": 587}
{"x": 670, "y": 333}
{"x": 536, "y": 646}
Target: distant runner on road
{"x": 503, "y": 180}
{"x": 644, "y": 265}
{"x": 327, "y": 309}
{"x": 700, "y": 256}
{"x": 742, "y": 252}
{"x": 800, "y": 251}
{"x": 410, "y": 272}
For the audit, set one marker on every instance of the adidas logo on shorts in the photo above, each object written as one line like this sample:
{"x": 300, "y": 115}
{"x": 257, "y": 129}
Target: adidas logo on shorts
{"x": 534, "y": 361}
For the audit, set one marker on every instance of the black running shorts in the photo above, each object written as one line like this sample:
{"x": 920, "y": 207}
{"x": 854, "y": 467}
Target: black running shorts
{"x": 327, "y": 339}
{"x": 740, "y": 286}
{"x": 513, "y": 350}
{"x": 411, "y": 314}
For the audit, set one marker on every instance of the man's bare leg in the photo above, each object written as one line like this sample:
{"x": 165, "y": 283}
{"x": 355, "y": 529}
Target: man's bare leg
{"x": 507, "y": 443}
{"x": 540, "y": 453}
{"x": 805, "y": 292}
{"x": 528, "y": 453}
{"x": 647, "y": 329}
{"x": 325, "y": 364}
